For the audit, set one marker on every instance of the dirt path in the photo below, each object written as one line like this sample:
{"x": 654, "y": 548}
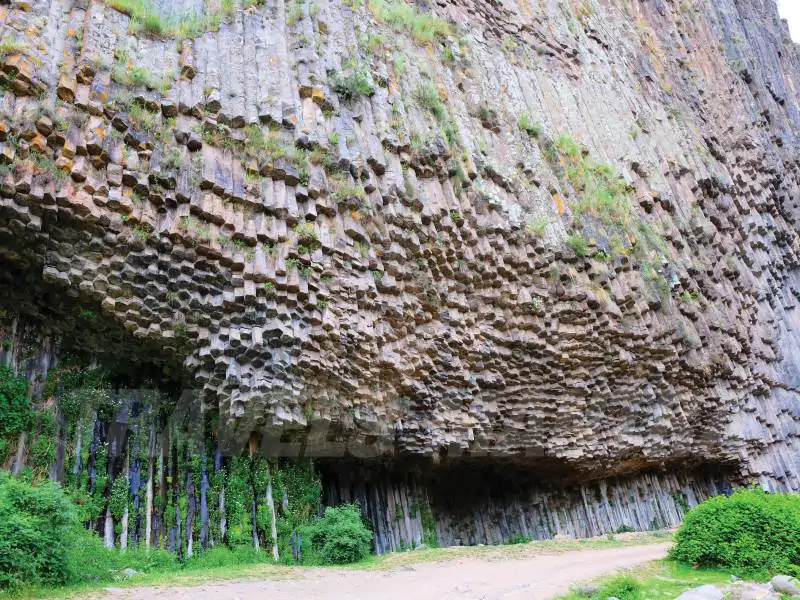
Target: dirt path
{"x": 533, "y": 578}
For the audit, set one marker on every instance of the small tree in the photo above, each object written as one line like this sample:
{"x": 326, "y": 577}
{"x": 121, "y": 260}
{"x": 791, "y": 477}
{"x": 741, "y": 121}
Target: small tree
{"x": 340, "y": 536}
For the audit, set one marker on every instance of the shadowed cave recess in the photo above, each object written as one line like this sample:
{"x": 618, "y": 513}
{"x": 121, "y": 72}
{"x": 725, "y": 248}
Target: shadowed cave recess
{"x": 495, "y": 271}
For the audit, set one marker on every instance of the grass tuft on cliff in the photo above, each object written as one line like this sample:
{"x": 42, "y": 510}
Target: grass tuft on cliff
{"x": 424, "y": 28}
{"x": 146, "y": 18}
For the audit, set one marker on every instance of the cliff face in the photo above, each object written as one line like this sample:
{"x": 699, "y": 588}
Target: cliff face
{"x": 519, "y": 247}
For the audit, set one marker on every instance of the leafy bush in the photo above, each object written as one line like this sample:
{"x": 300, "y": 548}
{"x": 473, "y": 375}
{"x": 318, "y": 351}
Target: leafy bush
{"x": 340, "y": 536}
{"x": 15, "y": 410}
{"x": 751, "y": 531}
{"x": 90, "y": 561}
{"x": 37, "y": 528}
{"x": 624, "y": 588}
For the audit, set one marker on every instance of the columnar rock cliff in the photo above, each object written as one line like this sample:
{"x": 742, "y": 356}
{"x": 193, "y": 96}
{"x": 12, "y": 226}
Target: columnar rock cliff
{"x": 502, "y": 268}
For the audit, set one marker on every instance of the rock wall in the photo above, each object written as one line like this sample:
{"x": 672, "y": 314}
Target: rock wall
{"x": 530, "y": 233}
{"x": 474, "y": 503}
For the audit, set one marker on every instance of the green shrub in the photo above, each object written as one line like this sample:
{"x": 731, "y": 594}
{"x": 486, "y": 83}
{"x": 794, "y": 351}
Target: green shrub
{"x": 527, "y": 124}
{"x": 15, "y": 410}
{"x": 751, "y": 531}
{"x": 520, "y": 538}
{"x": 340, "y": 536}
{"x": 578, "y": 244}
{"x": 353, "y": 83}
{"x": 37, "y": 528}
{"x": 624, "y": 588}
{"x": 91, "y": 562}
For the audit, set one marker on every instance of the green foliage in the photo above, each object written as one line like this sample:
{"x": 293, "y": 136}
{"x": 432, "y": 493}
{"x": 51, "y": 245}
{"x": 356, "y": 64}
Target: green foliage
{"x": 537, "y": 225}
{"x": 428, "y": 97}
{"x": 267, "y": 148}
{"x": 37, "y": 529}
{"x": 306, "y": 231}
{"x": 143, "y": 119}
{"x": 141, "y": 232}
{"x": 136, "y": 76}
{"x": 578, "y": 244}
{"x": 519, "y": 538}
{"x": 78, "y": 389}
{"x": 402, "y": 17}
{"x": 526, "y": 124}
{"x": 750, "y": 531}
{"x": 344, "y": 190}
{"x": 624, "y": 588}
{"x": 215, "y": 135}
{"x": 119, "y": 497}
{"x": 43, "y": 447}
{"x": 90, "y": 561}
{"x": 340, "y": 536}
{"x": 568, "y": 147}
{"x": 430, "y": 537}
{"x": 603, "y": 194}
{"x": 354, "y": 82}
{"x": 222, "y": 556}
{"x": 148, "y": 19}
{"x": 172, "y": 159}
{"x": 9, "y": 46}
{"x": 604, "y": 204}
{"x": 15, "y": 410}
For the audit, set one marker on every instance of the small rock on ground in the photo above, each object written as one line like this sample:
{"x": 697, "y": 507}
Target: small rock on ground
{"x": 783, "y": 584}
{"x": 705, "y": 592}
{"x": 588, "y": 589}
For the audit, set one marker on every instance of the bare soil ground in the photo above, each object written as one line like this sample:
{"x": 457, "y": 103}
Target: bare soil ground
{"x": 535, "y": 577}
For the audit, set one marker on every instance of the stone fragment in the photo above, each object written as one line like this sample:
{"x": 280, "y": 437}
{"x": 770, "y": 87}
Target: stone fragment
{"x": 705, "y": 592}
{"x": 67, "y": 88}
{"x": 784, "y": 584}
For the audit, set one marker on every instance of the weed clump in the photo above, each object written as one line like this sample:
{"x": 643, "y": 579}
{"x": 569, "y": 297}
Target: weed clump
{"x": 424, "y": 28}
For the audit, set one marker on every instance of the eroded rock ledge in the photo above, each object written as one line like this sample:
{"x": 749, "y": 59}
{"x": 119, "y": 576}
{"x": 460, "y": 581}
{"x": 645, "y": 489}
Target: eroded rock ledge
{"x": 563, "y": 229}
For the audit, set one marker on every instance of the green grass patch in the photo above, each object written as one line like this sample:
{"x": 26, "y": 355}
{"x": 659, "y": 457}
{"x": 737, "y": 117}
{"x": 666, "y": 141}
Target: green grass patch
{"x": 354, "y": 82}
{"x": 529, "y": 126}
{"x": 402, "y": 17}
{"x": 659, "y": 580}
{"x": 147, "y": 19}
{"x": 427, "y": 96}
{"x": 9, "y": 46}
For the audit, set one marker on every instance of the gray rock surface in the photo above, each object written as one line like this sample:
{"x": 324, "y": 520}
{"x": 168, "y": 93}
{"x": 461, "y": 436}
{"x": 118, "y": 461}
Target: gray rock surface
{"x": 784, "y": 584}
{"x": 705, "y": 592}
{"x": 414, "y": 272}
